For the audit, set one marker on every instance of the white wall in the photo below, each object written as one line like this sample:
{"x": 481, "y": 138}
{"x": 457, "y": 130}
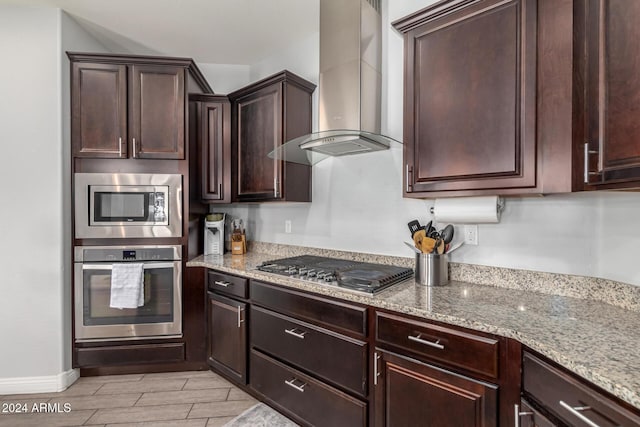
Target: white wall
{"x": 31, "y": 177}
{"x": 225, "y": 78}
{"x": 34, "y": 222}
{"x": 357, "y": 203}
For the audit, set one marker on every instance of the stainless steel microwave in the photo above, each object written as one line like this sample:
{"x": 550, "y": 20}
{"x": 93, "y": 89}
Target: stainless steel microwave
{"x": 117, "y": 205}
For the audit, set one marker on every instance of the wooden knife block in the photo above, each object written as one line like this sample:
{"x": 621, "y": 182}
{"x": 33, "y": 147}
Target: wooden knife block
{"x": 238, "y": 244}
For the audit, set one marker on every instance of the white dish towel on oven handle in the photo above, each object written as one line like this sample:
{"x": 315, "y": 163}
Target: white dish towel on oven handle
{"x": 127, "y": 285}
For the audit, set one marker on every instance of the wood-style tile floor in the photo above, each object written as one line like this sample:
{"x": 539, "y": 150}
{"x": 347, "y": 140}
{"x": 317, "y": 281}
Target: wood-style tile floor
{"x": 180, "y": 399}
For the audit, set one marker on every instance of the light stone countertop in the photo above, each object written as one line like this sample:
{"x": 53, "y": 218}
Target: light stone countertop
{"x": 596, "y": 340}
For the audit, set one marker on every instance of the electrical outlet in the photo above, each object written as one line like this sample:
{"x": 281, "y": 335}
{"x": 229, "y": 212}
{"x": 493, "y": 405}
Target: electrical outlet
{"x": 287, "y": 226}
{"x": 471, "y": 235}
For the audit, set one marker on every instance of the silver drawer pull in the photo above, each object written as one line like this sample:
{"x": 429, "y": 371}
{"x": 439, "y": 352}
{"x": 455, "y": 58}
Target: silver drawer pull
{"x": 221, "y": 283}
{"x": 295, "y": 334}
{"x": 575, "y": 410}
{"x": 425, "y": 342}
{"x": 291, "y": 383}
{"x": 517, "y": 414}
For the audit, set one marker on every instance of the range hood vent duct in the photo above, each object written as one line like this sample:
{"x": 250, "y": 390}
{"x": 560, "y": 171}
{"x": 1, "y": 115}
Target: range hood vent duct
{"x": 349, "y": 96}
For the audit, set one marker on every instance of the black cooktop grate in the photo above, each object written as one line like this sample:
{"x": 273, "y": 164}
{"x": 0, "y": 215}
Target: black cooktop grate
{"x": 355, "y": 275}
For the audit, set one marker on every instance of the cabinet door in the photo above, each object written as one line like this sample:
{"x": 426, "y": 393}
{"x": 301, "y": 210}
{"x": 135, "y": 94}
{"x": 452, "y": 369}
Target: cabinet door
{"x": 258, "y": 132}
{"x": 613, "y": 91}
{"x": 157, "y": 111}
{"x": 227, "y": 336}
{"x": 410, "y": 393}
{"x": 215, "y": 151}
{"x": 470, "y": 99}
{"x": 99, "y": 110}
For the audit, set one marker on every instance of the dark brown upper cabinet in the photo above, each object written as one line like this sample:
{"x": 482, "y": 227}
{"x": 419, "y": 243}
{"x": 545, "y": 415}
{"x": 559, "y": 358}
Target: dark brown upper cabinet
{"x": 265, "y": 115}
{"x": 130, "y": 106}
{"x": 488, "y": 105}
{"x": 213, "y": 114}
{"x": 612, "y": 140}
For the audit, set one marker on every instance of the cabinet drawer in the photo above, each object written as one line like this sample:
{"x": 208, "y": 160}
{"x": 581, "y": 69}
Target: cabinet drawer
{"x": 334, "y": 315}
{"x": 227, "y": 284}
{"x": 304, "y": 397}
{"x": 471, "y": 352}
{"x": 560, "y": 393}
{"x": 337, "y": 358}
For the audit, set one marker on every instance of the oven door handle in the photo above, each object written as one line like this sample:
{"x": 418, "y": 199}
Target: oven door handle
{"x": 146, "y": 266}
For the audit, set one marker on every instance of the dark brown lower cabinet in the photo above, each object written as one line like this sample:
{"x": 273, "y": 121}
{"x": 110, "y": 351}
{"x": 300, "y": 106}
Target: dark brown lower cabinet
{"x": 412, "y": 393}
{"x": 302, "y": 397}
{"x": 565, "y": 397}
{"x": 227, "y": 336}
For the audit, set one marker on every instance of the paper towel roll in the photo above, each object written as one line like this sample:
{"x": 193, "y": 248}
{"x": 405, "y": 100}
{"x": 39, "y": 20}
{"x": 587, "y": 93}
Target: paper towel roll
{"x": 468, "y": 210}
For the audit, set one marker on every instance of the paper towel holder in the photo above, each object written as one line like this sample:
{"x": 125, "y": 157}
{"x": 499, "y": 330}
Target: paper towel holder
{"x": 500, "y": 206}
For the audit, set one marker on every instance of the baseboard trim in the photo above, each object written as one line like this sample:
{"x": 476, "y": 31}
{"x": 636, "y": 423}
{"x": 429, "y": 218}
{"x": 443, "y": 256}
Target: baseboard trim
{"x": 45, "y": 384}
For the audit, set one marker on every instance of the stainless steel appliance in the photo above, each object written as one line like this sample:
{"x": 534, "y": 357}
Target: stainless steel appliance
{"x": 111, "y": 205}
{"x": 161, "y": 314}
{"x": 356, "y": 276}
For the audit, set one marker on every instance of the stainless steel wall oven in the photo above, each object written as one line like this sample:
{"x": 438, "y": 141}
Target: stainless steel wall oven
{"x": 160, "y": 312}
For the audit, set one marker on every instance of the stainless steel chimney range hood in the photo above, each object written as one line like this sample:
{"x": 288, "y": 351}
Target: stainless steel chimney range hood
{"x": 350, "y": 85}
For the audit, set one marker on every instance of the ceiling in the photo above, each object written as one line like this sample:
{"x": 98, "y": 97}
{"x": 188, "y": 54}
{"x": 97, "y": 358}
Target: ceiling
{"x": 209, "y": 31}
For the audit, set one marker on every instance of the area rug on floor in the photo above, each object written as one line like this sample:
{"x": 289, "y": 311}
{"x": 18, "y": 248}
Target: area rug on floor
{"x": 260, "y": 415}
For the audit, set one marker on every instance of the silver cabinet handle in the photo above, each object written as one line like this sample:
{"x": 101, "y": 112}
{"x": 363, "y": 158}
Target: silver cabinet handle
{"x": 120, "y": 147}
{"x": 407, "y": 176}
{"x": 517, "y": 414}
{"x": 295, "y": 334}
{"x": 291, "y": 383}
{"x": 587, "y": 173}
{"x": 376, "y": 373}
{"x": 240, "y": 319}
{"x": 275, "y": 187}
{"x": 586, "y": 162}
{"x": 575, "y": 410}
{"x": 221, "y": 283}
{"x": 425, "y": 342}
{"x": 134, "y": 147}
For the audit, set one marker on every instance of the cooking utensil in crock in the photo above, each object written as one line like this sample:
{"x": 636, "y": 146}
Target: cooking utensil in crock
{"x": 414, "y": 226}
{"x": 447, "y": 233}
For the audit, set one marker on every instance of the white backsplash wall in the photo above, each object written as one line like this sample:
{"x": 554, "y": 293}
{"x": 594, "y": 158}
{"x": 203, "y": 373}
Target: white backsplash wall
{"x": 358, "y": 205}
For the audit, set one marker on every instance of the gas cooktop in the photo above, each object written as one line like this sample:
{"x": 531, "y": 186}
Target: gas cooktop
{"x": 353, "y": 275}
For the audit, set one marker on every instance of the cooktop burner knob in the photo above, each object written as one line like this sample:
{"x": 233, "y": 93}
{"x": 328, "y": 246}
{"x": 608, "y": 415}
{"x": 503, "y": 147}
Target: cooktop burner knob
{"x": 311, "y": 273}
{"x": 302, "y": 271}
{"x": 291, "y": 270}
{"x": 329, "y": 278}
{"x": 320, "y": 274}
